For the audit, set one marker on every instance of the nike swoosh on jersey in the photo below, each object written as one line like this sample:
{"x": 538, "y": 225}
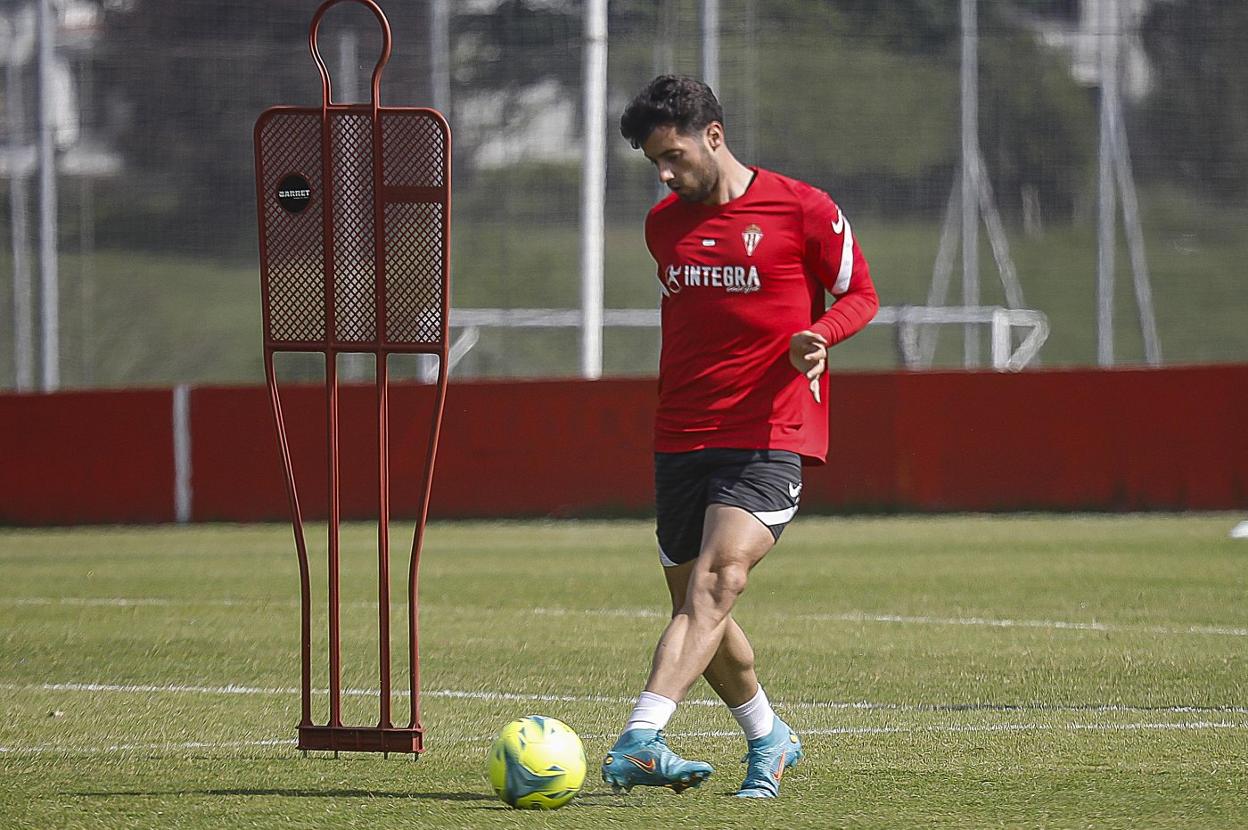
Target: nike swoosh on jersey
{"x": 838, "y": 224}
{"x": 708, "y": 243}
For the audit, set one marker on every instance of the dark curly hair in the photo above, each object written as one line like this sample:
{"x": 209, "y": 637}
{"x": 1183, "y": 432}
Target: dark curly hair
{"x": 684, "y": 103}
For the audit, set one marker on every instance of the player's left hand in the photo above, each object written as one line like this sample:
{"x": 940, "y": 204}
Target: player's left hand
{"x": 808, "y": 352}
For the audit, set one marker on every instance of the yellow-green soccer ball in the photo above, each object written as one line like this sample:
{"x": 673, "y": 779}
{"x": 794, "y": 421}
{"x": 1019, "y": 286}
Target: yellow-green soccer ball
{"x": 537, "y": 763}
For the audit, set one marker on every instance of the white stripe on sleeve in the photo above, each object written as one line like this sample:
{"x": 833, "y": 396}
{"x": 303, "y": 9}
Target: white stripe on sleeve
{"x": 847, "y": 261}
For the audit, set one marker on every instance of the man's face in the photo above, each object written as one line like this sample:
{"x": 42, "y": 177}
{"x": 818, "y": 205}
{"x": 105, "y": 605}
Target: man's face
{"x": 685, "y": 163}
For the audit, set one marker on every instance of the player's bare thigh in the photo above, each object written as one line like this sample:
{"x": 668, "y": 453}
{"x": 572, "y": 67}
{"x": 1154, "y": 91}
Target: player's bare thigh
{"x": 733, "y": 542}
{"x": 677, "y": 577}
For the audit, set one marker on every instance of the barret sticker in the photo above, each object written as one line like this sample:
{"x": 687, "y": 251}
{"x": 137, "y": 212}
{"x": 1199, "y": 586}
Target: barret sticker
{"x": 294, "y": 193}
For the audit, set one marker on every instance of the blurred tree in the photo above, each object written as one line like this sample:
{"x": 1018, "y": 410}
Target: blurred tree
{"x": 1038, "y": 128}
{"x": 911, "y": 26}
{"x": 1195, "y": 122}
{"x": 183, "y": 84}
{"x": 882, "y": 125}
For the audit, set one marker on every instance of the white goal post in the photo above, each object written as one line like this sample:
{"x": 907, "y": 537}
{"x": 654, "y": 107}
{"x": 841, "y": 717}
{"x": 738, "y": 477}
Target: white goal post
{"x": 910, "y": 320}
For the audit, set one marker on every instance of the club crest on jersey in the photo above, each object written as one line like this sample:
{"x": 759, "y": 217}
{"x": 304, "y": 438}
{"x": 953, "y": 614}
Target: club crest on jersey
{"x": 752, "y": 236}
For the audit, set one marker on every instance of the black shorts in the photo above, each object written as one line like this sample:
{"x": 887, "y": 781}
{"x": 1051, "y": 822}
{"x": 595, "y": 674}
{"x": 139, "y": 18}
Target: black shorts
{"x": 764, "y": 483}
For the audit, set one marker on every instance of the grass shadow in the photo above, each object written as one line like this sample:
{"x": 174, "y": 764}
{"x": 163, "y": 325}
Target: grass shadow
{"x": 295, "y": 793}
{"x": 605, "y": 799}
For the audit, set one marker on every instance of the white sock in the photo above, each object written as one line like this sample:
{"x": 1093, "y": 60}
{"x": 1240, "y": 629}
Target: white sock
{"x": 755, "y": 716}
{"x": 651, "y": 712}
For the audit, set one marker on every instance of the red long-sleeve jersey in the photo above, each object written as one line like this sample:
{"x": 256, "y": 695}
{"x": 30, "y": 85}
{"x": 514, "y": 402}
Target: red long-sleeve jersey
{"x": 738, "y": 281}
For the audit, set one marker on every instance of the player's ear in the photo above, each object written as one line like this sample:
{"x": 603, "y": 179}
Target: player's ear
{"x": 715, "y": 135}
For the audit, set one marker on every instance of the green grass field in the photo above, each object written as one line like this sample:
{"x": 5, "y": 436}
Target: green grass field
{"x": 944, "y": 672}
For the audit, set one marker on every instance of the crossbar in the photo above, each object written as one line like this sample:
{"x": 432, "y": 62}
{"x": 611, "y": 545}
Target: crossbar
{"x": 907, "y": 319}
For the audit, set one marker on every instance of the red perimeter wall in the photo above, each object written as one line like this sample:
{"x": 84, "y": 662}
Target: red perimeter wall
{"x": 1169, "y": 439}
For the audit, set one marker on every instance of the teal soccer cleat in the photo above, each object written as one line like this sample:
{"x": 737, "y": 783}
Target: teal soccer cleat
{"x": 642, "y": 757}
{"x": 768, "y": 758}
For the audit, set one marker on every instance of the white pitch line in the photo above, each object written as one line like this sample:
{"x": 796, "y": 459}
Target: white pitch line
{"x": 494, "y": 697}
{"x": 235, "y": 689}
{"x": 631, "y": 613}
{"x": 536, "y": 698}
{"x": 650, "y": 613}
{"x": 141, "y": 602}
{"x": 1193, "y": 726}
{"x": 164, "y": 747}
{"x": 938, "y": 729}
{"x": 1054, "y": 624}
{"x": 946, "y": 729}
{"x": 860, "y": 616}
{"x": 147, "y": 688}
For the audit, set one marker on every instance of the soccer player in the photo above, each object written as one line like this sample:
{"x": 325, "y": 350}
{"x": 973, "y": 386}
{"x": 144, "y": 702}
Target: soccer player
{"x": 744, "y": 258}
